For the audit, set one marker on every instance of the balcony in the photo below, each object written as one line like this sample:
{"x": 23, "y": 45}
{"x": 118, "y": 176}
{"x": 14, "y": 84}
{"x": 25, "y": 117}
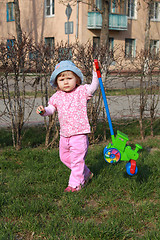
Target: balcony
{"x": 116, "y": 21}
{"x": 94, "y": 20}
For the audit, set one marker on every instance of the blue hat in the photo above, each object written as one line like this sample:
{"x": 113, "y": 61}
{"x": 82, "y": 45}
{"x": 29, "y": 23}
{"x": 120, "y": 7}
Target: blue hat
{"x": 66, "y": 65}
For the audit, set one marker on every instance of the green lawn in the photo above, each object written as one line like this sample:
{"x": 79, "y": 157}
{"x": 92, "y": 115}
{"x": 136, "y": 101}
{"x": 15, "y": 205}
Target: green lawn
{"x": 114, "y": 205}
{"x": 109, "y": 92}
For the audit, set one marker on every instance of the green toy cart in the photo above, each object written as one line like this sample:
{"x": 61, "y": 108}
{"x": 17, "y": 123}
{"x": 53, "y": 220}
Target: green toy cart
{"x": 117, "y": 150}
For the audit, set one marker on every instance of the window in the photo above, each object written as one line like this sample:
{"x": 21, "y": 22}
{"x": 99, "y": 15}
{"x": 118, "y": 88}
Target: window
{"x": 132, "y": 8}
{"x": 50, "y": 42}
{"x": 130, "y": 48}
{"x": 49, "y": 7}
{"x": 10, "y": 43}
{"x": 10, "y": 12}
{"x": 118, "y": 6}
{"x": 154, "y": 48}
{"x": 96, "y": 43}
{"x": 33, "y": 55}
{"x": 99, "y": 4}
{"x": 64, "y": 53}
{"x": 10, "y": 48}
{"x": 94, "y": 5}
{"x": 155, "y": 11}
{"x": 111, "y": 44}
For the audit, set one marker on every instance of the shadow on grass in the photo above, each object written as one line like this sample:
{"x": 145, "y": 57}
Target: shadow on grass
{"x": 31, "y": 137}
{"x": 96, "y": 160}
{"x": 144, "y": 172}
{"x": 6, "y": 138}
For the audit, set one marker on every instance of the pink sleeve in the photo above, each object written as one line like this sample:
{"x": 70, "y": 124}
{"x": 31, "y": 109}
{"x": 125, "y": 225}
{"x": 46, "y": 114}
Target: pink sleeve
{"x": 50, "y": 109}
{"x": 91, "y": 88}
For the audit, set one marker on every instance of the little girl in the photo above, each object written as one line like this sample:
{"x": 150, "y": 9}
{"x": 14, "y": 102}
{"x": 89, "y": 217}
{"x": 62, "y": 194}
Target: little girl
{"x": 70, "y": 101}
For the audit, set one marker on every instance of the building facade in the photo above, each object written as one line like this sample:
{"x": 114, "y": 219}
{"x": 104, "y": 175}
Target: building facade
{"x": 52, "y": 21}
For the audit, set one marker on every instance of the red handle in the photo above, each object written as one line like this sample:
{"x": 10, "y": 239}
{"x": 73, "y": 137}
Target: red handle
{"x": 97, "y": 68}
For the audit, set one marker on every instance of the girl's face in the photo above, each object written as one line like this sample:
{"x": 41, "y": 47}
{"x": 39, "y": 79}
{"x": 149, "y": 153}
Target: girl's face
{"x": 66, "y": 81}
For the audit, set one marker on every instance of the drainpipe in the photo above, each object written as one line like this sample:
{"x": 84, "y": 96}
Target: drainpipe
{"x": 35, "y": 21}
{"x": 77, "y": 20}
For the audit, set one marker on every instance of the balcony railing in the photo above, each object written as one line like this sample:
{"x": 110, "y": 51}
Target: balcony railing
{"x": 116, "y": 21}
{"x": 94, "y": 20}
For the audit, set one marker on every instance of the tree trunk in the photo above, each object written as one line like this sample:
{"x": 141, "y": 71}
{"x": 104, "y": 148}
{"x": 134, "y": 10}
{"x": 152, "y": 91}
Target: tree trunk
{"x": 19, "y": 34}
{"x": 104, "y": 35}
{"x": 17, "y": 21}
{"x": 145, "y": 68}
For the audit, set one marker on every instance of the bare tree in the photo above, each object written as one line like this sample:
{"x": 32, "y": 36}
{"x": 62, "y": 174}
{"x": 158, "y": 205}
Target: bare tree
{"x": 146, "y": 69}
{"x": 14, "y": 86}
{"x": 45, "y": 62}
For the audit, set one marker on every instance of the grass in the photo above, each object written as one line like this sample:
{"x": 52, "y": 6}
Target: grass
{"x": 109, "y": 92}
{"x": 114, "y": 205}
{"x": 27, "y": 94}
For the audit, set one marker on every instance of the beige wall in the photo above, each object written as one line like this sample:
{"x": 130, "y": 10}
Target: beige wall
{"x": 34, "y": 23}
{"x": 6, "y": 30}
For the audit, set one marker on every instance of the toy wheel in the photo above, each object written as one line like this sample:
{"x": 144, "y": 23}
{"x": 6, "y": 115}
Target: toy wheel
{"x": 128, "y": 169}
{"x": 112, "y": 155}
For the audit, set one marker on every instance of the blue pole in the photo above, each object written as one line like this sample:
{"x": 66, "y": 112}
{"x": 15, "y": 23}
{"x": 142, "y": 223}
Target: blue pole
{"x": 104, "y": 99}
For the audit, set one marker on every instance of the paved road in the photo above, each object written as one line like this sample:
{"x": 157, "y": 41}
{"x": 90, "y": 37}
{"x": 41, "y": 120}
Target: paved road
{"x": 112, "y": 82}
{"x": 120, "y": 107}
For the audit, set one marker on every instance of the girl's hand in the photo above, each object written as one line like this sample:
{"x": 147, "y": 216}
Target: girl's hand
{"x": 40, "y": 110}
{"x": 94, "y": 67}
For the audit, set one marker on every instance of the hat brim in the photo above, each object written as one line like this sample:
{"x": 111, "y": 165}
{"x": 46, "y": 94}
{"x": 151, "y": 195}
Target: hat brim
{"x": 56, "y": 72}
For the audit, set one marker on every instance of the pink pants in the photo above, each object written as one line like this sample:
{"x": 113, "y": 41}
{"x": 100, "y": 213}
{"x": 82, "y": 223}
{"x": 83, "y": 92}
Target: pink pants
{"x": 73, "y": 151}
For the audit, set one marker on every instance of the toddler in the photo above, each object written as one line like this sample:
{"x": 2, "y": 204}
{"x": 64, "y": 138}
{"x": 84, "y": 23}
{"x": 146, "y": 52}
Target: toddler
{"x": 70, "y": 101}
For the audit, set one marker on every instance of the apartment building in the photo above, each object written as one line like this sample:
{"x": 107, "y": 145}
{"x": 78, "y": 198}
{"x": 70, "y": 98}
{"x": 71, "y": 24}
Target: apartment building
{"x": 53, "y": 21}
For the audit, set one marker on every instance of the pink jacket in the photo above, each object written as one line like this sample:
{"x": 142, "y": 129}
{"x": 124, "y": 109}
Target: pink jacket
{"x": 72, "y": 108}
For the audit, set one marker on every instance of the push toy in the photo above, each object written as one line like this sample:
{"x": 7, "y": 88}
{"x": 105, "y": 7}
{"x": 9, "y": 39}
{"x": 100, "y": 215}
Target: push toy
{"x": 117, "y": 150}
